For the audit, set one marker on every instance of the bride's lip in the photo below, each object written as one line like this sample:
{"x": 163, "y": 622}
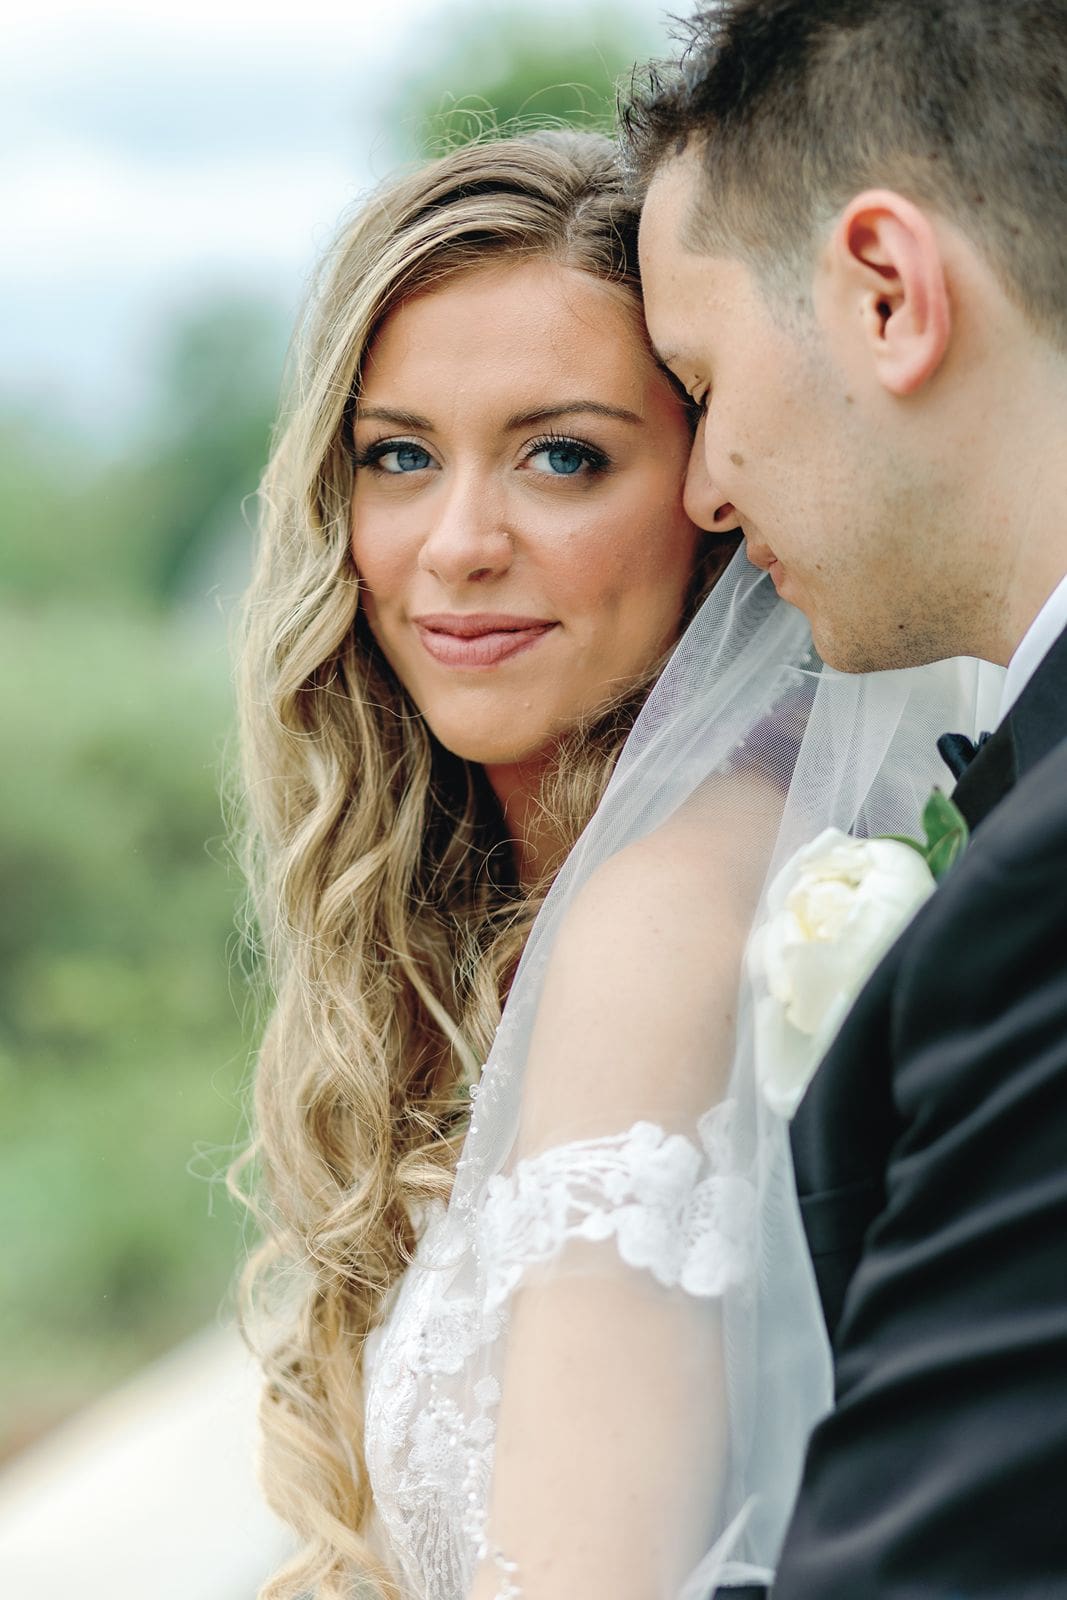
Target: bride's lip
{"x": 456, "y": 640}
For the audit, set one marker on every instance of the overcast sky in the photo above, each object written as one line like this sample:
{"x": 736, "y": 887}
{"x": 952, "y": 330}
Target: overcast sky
{"x": 151, "y": 150}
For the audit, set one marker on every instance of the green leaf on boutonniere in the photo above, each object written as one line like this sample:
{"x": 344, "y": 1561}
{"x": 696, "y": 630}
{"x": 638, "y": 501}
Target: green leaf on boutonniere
{"x": 946, "y": 834}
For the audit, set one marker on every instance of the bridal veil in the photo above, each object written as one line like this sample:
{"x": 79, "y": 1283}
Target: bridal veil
{"x": 601, "y": 1370}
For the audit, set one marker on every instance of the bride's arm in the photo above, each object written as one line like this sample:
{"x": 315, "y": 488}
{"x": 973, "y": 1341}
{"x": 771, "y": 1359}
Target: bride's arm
{"x": 612, "y": 1437}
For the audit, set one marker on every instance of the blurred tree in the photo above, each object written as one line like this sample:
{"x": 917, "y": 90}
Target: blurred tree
{"x": 64, "y": 528}
{"x": 121, "y": 1049}
{"x": 493, "y": 66}
{"x": 140, "y": 527}
{"x": 219, "y": 393}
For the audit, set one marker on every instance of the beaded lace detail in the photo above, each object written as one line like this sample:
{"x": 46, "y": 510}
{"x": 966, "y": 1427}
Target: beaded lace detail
{"x": 659, "y": 1200}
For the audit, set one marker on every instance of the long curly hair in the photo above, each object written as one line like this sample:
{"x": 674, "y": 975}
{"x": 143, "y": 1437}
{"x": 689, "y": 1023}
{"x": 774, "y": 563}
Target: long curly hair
{"x": 382, "y": 876}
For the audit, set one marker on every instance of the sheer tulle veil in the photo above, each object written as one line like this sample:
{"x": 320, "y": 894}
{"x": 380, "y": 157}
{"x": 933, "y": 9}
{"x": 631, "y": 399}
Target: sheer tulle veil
{"x": 744, "y": 706}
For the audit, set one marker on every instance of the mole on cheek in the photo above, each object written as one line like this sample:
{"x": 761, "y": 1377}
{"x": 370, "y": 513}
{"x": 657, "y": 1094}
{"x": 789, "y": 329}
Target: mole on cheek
{"x": 737, "y": 458}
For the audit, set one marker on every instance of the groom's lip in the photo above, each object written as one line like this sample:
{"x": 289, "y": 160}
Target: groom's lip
{"x": 768, "y": 562}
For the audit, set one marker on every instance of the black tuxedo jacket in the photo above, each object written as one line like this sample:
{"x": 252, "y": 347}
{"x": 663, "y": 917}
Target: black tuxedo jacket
{"x": 931, "y": 1162}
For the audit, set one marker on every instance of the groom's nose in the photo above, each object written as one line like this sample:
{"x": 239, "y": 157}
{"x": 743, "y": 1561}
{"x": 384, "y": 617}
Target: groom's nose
{"x": 705, "y": 503}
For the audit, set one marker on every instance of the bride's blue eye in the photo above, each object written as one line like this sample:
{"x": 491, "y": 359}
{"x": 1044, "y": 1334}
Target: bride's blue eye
{"x": 409, "y": 458}
{"x": 396, "y": 458}
{"x": 565, "y": 458}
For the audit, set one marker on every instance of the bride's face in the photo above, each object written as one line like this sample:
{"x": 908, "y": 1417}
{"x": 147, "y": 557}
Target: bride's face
{"x": 517, "y": 518}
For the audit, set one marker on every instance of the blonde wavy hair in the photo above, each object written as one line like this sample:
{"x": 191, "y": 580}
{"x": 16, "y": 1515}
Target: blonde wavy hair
{"x": 381, "y": 873}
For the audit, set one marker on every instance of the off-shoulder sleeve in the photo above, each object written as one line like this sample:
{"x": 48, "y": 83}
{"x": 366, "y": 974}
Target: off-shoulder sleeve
{"x": 662, "y": 1201}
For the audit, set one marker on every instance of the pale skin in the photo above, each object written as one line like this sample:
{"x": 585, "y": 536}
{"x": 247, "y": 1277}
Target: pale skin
{"x": 520, "y": 456}
{"x": 889, "y": 442}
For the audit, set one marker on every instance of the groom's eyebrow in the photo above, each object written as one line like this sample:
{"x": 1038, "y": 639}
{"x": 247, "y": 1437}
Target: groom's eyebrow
{"x": 570, "y": 408}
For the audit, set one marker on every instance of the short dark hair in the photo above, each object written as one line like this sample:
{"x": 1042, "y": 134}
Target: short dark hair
{"x": 797, "y": 105}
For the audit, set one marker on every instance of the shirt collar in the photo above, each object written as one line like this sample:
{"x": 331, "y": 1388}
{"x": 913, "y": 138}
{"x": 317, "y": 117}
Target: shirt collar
{"x": 1035, "y": 645}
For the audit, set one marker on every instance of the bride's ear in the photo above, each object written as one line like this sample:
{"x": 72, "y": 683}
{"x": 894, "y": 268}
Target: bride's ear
{"x": 887, "y": 278}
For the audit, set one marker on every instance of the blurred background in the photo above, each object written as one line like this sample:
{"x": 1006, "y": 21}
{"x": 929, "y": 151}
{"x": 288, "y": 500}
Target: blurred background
{"x": 168, "y": 175}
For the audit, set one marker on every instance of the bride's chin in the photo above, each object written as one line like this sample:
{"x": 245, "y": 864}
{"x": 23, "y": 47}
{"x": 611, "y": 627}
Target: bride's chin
{"x": 488, "y": 749}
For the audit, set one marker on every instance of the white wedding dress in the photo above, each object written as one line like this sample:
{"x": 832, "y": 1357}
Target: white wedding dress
{"x": 598, "y": 1376}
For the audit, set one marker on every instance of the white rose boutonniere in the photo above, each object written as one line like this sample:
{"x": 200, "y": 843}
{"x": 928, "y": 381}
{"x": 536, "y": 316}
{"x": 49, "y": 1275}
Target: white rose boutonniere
{"x": 832, "y": 913}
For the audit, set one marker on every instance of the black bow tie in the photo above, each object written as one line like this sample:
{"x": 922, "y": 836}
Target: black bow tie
{"x": 957, "y": 751}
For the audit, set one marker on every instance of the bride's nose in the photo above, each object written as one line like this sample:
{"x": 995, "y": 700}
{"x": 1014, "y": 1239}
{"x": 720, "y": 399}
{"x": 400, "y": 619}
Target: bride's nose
{"x": 468, "y": 538}
{"x": 705, "y": 503}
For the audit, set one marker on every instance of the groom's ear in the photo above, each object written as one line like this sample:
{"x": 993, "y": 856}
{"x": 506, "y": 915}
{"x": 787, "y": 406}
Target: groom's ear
{"x": 886, "y": 267}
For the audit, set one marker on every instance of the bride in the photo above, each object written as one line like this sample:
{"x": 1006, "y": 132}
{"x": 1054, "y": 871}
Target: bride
{"x": 474, "y": 558}
{"x": 583, "y": 1358}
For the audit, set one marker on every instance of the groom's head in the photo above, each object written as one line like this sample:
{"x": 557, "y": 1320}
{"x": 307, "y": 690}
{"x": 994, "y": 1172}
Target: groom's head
{"x": 854, "y": 246}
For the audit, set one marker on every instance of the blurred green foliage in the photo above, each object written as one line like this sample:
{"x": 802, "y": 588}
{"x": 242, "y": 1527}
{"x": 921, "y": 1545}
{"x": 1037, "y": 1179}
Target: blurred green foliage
{"x": 122, "y": 1046}
{"x": 121, "y": 1054}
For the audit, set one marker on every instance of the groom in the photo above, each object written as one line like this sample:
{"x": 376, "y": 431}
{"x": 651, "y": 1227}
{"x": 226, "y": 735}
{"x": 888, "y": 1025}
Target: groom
{"x": 854, "y": 250}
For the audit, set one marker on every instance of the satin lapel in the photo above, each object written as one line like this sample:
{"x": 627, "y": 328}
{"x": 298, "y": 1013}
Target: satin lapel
{"x": 1034, "y": 726}
{"x": 1039, "y": 717}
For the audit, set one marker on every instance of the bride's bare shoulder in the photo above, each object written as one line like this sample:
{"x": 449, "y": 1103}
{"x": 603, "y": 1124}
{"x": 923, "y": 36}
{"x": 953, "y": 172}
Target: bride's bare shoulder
{"x": 704, "y": 864}
{"x": 646, "y": 965}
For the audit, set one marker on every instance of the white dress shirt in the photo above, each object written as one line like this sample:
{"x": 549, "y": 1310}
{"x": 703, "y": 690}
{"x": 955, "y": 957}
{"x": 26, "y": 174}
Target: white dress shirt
{"x": 1034, "y": 646}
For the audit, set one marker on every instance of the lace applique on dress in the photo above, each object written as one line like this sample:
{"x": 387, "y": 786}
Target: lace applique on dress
{"x": 641, "y": 1189}
{"x": 659, "y": 1200}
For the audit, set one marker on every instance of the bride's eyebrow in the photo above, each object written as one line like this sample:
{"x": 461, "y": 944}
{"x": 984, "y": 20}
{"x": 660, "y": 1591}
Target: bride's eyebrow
{"x": 595, "y": 408}
{"x": 397, "y": 419}
{"x": 521, "y": 419}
